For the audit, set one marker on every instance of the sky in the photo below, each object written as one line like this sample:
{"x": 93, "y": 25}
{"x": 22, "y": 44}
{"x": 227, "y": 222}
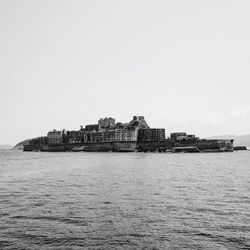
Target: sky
{"x": 184, "y": 65}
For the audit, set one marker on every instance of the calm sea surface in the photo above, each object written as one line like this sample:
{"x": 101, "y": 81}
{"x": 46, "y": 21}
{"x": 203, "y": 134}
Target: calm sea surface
{"x": 124, "y": 200}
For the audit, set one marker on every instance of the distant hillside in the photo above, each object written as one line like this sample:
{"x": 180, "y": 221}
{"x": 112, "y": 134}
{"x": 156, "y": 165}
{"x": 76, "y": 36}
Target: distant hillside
{"x": 21, "y": 144}
{"x": 5, "y": 147}
{"x": 242, "y": 140}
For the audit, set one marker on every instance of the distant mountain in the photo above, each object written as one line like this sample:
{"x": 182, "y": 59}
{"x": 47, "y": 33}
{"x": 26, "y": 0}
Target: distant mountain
{"x": 241, "y": 140}
{"x": 5, "y": 147}
{"x": 21, "y": 144}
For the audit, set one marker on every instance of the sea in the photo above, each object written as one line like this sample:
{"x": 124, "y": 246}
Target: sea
{"x": 124, "y": 200}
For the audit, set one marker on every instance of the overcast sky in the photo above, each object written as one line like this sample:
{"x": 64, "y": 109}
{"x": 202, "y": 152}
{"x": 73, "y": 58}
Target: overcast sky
{"x": 184, "y": 65}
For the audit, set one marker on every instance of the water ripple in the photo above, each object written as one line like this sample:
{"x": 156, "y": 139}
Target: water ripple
{"x": 124, "y": 201}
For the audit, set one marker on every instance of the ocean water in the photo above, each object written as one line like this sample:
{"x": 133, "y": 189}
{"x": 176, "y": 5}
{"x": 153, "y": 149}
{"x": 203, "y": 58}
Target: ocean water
{"x": 124, "y": 200}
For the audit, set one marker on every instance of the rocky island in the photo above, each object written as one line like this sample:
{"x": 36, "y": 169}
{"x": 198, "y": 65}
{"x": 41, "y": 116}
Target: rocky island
{"x": 136, "y": 135}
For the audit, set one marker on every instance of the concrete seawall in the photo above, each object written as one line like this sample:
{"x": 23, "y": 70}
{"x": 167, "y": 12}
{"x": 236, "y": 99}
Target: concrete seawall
{"x": 87, "y": 147}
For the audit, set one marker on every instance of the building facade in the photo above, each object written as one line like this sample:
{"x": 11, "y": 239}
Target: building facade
{"x": 92, "y": 127}
{"x": 76, "y": 137}
{"x": 182, "y": 136}
{"x": 151, "y": 134}
{"x": 106, "y": 122}
{"x": 55, "y": 137}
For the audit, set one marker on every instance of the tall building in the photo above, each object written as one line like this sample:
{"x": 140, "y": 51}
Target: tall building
{"x": 151, "y": 134}
{"x": 55, "y": 137}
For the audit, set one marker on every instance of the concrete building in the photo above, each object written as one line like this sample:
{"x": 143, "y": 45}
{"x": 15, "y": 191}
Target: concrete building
{"x": 182, "y": 136}
{"x": 92, "y": 127}
{"x": 43, "y": 140}
{"x": 55, "y": 137}
{"x": 139, "y": 122}
{"x": 125, "y": 135}
{"x": 75, "y": 136}
{"x": 151, "y": 134}
{"x": 106, "y": 122}
{"x": 114, "y": 135}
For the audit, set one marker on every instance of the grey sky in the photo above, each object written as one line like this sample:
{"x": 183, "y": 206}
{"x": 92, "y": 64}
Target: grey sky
{"x": 184, "y": 65}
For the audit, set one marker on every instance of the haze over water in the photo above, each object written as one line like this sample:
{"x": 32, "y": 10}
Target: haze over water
{"x": 124, "y": 200}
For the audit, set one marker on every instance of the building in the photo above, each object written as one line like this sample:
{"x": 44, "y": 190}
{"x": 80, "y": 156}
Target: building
{"x": 182, "y": 136}
{"x": 151, "y": 139}
{"x": 151, "y": 134}
{"x": 139, "y": 122}
{"x": 109, "y": 136}
{"x": 114, "y": 135}
{"x": 92, "y": 127}
{"x": 106, "y": 122}
{"x": 142, "y": 122}
{"x": 125, "y": 135}
{"x": 43, "y": 140}
{"x": 75, "y": 136}
{"x": 178, "y": 136}
{"x": 55, "y": 137}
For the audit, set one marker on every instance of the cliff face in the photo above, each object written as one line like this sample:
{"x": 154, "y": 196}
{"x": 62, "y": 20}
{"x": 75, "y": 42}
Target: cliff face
{"x": 21, "y": 144}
